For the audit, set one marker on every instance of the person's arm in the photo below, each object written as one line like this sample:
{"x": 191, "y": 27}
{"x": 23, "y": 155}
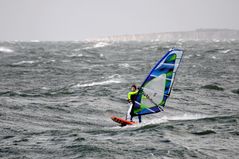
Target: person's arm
{"x": 129, "y": 97}
{"x": 130, "y": 94}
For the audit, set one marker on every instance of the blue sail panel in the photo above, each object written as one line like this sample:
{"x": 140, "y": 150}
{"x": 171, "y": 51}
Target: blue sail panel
{"x": 158, "y": 84}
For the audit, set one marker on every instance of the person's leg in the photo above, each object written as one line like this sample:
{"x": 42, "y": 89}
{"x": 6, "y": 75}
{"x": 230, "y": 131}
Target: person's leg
{"x": 132, "y": 113}
{"x": 128, "y": 115}
{"x": 140, "y": 120}
{"x": 131, "y": 118}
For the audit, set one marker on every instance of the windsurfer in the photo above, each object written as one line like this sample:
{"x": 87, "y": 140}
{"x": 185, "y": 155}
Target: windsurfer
{"x": 131, "y": 99}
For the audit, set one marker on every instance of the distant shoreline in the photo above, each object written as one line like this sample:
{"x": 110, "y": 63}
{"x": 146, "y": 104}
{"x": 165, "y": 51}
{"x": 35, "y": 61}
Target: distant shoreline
{"x": 196, "y": 35}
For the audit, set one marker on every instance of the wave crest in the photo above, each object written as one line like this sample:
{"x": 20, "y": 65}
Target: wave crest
{"x": 213, "y": 87}
{"x": 24, "y": 62}
{"x": 99, "y": 83}
{"x": 5, "y": 50}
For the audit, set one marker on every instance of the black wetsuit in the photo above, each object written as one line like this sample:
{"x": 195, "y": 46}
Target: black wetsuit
{"x": 133, "y": 99}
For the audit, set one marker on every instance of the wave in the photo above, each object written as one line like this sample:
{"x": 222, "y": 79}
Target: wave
{"x": 76, "y": 55}
{"x": 101, "y": 44}
{"x": 188, "y": 56}
{"x": 99, "y": 83}
{"x": 101, "y": 55}
{"x": 114, "y": 76}
{"x": 213, "y": 87}
{"x": 205, "y": 132}
{"x": 236, "y": 133}
{"x": 214, "y": 57}
{"x": 225, "y": 51}
{"x": 42, "y": 92}
{"x": 97, "y": 45}
{"x": 86, "y": 56}
{"x": 78, "y": 49}
{"x": 216, "y": 40}
{"x": 236, "y": 91}
{"x": 185, "y": 117}
{"x": 24, "y": 62}
{"x": 5, "y": 50}
{"x": 18, "y": 93}
{"x": 192, "y": 118}
{"x": 124, "y": 65}
{"x": 165, "y": 119}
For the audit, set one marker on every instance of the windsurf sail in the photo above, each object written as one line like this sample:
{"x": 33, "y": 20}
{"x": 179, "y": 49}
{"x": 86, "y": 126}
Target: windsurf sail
{"x": 157, "y": 86}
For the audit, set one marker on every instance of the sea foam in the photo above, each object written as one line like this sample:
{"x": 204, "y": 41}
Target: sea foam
{"x": 6, "y": 50}
{"x": 99, "y": 83}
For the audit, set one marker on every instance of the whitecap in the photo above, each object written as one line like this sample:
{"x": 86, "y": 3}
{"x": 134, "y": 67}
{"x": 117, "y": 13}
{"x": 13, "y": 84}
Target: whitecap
{"x": 99, "y": 83}
{"x": 79, "y": 49}
{"x": 6, "y": 50}
{"x": 188, "y": 56}
{"x": 225, "y": 51}
{"x": 216, "y": 40}
{"x": 185, "y": 117}
{"x": 45, "y": 88}
{"x": 87, "y": 48}
{"x": 24, "y": 62}
{"x": 214, "y": 57}
{"x": 76, "y": 55}
{"x": 65, "y": 61}
{"x": 101, "y": 44}
{"x": 165, "y": 119}
{"x": 97, "y": 45}
{"x": 114, "y": 76}
{"x": 125, "y": 65}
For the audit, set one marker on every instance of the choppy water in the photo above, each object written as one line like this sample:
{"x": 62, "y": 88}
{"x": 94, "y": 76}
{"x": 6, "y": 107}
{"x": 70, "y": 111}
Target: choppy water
{"x": 56, "y": 100}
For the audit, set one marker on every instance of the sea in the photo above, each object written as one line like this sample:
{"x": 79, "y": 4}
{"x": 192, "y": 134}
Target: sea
{"x": 57, "y": 99}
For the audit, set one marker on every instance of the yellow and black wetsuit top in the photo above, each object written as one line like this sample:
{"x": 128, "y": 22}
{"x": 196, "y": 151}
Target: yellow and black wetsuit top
{"x": 132, "y": 96}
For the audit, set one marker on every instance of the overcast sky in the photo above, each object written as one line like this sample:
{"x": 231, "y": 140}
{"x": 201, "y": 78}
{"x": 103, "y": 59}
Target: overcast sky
{"x": 82, "y": 19}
